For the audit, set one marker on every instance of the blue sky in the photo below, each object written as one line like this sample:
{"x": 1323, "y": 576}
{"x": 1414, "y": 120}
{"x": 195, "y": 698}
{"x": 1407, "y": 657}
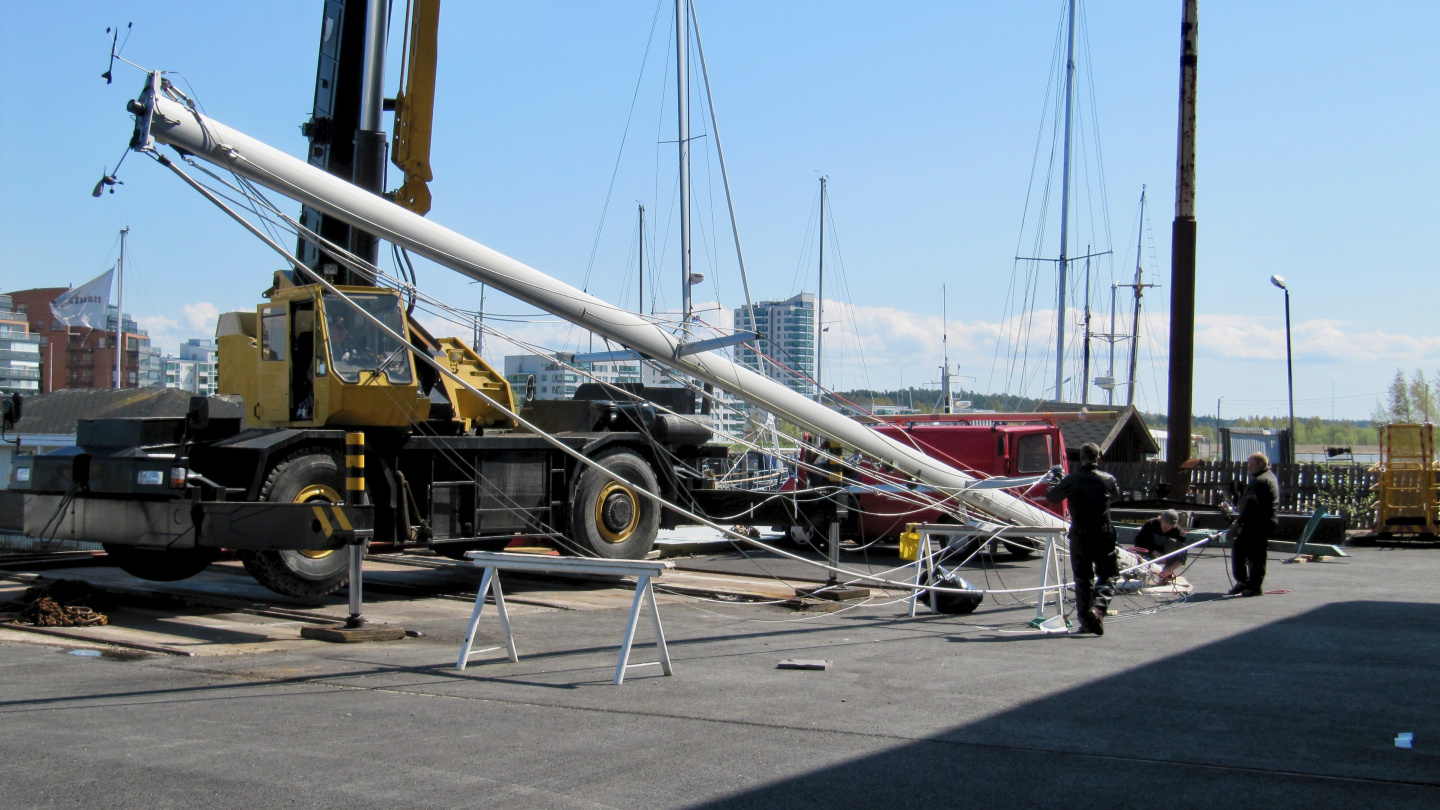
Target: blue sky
{"x": 1316, "y": 161}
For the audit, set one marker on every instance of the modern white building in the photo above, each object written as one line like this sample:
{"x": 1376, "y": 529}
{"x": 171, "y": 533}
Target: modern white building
{"x": 556, "y": 381}
{"x": 195, "y": 369}
{"x": 728, "y": 417}
{"x": 788, "y": 329}
{"x": 19, "y": 353}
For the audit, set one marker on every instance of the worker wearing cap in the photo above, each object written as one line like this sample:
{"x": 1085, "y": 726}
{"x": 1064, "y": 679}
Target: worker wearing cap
{"x": 1092, "y": 536}
{"x": 1160, "y": 536}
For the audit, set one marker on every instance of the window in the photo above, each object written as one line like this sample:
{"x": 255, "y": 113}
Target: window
{"x": 1032, "y": 454}
{"x": 272, "y": 333}
{"x": 357, "y": 344}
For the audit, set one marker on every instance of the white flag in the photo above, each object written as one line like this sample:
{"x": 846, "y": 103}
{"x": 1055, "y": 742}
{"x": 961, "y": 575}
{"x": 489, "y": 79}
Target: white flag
{"x": 86, "y": 305}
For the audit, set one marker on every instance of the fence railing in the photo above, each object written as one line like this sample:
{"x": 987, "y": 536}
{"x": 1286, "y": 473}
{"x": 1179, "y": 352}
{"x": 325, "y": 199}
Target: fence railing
{"x": 1304, "y": 486}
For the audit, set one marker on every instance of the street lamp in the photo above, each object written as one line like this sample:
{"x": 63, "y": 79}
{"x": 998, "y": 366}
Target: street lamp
{"x": 1289, "y": 365}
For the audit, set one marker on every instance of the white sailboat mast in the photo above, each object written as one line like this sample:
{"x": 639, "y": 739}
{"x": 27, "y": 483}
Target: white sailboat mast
{"x": 1065, "y": 210}
{"x": 820, "y": 297}
{"x": 120, "y": 311}
{"x": 947, "y": 402}
{"x": 682, "y": 47}
{"x": 1140, "y": 286}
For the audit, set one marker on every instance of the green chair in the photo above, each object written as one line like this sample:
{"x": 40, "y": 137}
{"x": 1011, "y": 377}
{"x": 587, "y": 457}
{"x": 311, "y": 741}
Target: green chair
{"x": 1312, "y": 526}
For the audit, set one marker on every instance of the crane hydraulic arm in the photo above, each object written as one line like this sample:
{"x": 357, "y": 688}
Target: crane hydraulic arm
{"x": 415, "y": 105}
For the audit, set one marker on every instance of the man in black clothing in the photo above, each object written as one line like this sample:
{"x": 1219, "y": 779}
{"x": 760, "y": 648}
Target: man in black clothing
{"x": 1254, "y": 526}
{"x": 1162, "y": 535}
{"x": 1092, "y": 537}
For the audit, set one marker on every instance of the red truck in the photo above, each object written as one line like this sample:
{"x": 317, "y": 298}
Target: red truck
{"x": 989, "y": 445}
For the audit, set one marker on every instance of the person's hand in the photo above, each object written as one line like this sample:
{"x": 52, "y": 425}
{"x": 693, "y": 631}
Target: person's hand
{"x": 1056, "y": 473}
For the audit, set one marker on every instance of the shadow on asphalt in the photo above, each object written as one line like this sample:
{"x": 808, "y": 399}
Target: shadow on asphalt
{"x": 1301, "y": 710}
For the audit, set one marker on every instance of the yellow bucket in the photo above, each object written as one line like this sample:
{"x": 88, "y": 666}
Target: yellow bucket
{"x": 909, "y": 542}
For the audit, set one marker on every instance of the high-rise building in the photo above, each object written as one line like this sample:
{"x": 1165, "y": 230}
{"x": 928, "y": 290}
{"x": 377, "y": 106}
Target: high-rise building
{"x": 19, "y": 353}
{"x": 788, "y": 328}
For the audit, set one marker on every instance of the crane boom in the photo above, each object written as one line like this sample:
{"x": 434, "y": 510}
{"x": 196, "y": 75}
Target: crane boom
{"x": 162, "y": 118}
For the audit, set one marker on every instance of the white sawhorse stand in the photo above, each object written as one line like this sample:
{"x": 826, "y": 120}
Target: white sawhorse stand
{"x": 643, "y": 570}
{"x": 958, "y": 535}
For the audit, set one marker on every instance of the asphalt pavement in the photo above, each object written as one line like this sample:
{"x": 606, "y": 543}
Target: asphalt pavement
{"x": 1290, "y": 699}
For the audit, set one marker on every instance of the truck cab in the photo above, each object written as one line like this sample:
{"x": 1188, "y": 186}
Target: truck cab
{"x": 988, "y": 451}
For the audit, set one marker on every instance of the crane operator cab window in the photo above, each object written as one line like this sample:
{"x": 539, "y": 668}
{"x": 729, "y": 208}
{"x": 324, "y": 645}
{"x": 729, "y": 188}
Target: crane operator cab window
{"x": 359, "y": 350}
{"x": 272, "y": 332}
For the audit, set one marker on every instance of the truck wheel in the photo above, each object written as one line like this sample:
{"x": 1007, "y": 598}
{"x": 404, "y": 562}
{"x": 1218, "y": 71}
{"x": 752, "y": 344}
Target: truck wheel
{"x": 161, "y": 565}
{"x": 310, "y": 475}
{"x": 609, "y": 518}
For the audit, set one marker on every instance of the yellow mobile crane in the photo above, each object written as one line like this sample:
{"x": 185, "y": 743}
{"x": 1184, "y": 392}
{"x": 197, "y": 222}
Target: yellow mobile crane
{"x": 441, "y": 467}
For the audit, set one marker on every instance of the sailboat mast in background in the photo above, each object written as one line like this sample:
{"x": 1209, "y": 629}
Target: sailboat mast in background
{"x": 1139, "y": 286}
{"x": 640, "y": 296}
{"x": 947, "y": 401}
{"x": 820, "y": 296}
{"x": 682, "y": 47}
{"x": 120, "y": 310}
{"x": 1065, "y": 210}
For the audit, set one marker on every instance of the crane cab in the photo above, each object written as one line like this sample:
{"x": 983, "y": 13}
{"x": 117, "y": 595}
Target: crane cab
{"x": 307, "y": 358}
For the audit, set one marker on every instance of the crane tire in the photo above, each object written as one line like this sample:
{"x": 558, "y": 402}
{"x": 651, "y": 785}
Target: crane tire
{"x": 609, "y": 519}
{"x": 309, "y": 475}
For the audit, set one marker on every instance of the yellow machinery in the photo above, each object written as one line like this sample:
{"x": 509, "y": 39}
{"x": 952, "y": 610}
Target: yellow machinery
{"x": 306, "y": 359}
{"x": 1408, "y": 493}
{"x": 415, "y": 105}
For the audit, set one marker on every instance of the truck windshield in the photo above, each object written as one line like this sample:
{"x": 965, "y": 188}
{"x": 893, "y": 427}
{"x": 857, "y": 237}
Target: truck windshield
{"x": 1034, "y": 454}
{"x": 358, "y": 345}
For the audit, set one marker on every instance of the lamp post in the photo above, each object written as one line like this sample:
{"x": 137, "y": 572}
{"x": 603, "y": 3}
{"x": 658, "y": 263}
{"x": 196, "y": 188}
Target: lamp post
{"x": 1289, "y": 364}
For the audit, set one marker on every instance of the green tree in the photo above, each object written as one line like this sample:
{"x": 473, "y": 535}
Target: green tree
{"x": 1397, "y": 406}
{"x": 1423, "y": 405}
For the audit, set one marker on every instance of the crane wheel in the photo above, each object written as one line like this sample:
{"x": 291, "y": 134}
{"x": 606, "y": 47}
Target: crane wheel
{"x": 311, "y": 475}
{"x": 161, "y": 565}
{"x": 610, "y": 519}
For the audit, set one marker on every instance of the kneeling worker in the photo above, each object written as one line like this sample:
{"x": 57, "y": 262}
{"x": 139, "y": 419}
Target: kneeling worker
{"x": 1160, "y": 536}
{"x": 1092, "y": 536}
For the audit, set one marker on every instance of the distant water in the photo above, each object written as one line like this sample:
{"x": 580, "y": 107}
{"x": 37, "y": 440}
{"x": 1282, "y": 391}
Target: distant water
{"x": 1359, "y": 458}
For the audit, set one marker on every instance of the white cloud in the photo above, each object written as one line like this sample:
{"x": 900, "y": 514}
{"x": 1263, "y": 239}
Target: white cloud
{"x": 201, "y": 316}
{"x": 1235, "y": 337}
{"x": 886, "y": 347}
{"x": 157, "y": 323}
{"x": 166, "y": 333}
